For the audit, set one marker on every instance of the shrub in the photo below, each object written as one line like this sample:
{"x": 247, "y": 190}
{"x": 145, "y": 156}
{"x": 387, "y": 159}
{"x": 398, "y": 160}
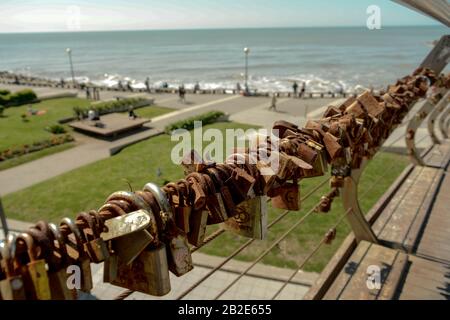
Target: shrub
{"x": 188, "y": 124}
{"x": 4, "y": 92}
{"x": 35, "y": 146}
{"x": 18, "y": 98}
{"x": 108, "y": 107}
{"x": 56, "y": 129}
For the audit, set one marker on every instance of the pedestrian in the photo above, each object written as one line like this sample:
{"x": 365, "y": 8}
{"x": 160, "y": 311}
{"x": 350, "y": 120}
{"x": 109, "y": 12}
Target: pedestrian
{"x": 295, "y": 88}
{"x": 120, "y": 85}
{"x": 131, "y": 114}
{"x": 302, "y": 92}
{"x": 129, "y": 87}
{"x": 147, "y": 84}
{"x": 88, "y": 93}
{"x": 238, "y": 87}
{"x": 62, "y": 83}
{"x": 273, "y": 104}
{"x": 196, "y": 87}
{"x": 182, "y": 93}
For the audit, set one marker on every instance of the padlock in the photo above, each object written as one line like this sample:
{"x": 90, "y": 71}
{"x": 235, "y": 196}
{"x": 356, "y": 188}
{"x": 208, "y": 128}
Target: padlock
{"x": 58, "y": 263}
{"x": 223, "y": 190}
{"x": 214, "y": 203}
{"x": 249, "y": 219}
{"x": 179, "y": 198}
{"x": 78, "y": 254}
{"x": 199, "y": 216}
{"x": 332, "y": 145}
{"x": 286, "y": 196}
{"x": 194, "y": 180}
{"x": 34, "y": 268}
{"x": 95, "y": 246}
{"x": 320, "y": 165}
{"x": 178, "y": 252}
{"x": 225, "y": 172}
{"x": 12, "y": 287}
{"x": 149, "y": 272}
{"x": 129, "y": 246}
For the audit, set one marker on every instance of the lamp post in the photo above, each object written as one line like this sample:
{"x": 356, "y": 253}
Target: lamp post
{"x": 246, "y": 51}
{"x": 69, "y": 53}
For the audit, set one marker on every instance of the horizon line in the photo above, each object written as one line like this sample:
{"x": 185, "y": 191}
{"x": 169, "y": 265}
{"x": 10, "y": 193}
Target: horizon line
{"x": 229, "y": 28}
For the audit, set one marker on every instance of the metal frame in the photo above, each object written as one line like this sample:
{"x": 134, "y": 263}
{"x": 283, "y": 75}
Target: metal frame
{"x": 440, "y": 107}
{"x": 349, "y": 194}
{"x": 411, "y": 130}
{"x": 443, "y": 124}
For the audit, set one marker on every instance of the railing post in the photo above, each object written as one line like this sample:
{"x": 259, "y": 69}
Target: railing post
{"x": 355, "y": 216}
{"x": 411, "y": 131}
{"x": 440, "y": 106}
{"x": 443, "y": 124}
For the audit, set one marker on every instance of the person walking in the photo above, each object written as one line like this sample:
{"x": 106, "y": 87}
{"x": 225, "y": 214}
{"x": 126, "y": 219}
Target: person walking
{"x": 147, "y": 84}
{"x": 197, "y": 87}
{"x": 295, "y": 88}
{"x": 273, "y": 103}
{"x": 182, "y": 93}
{"x": 88, "y": 93}
{"x": 302, "y": 92}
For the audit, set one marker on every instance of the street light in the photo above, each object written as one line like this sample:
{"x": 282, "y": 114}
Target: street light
{"x": 69, "y": 53}
{"x": 246, "y": 51}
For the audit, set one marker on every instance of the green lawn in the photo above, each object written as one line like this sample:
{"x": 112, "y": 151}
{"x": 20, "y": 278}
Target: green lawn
{"x": 152, "y": 111}
{"x": 14, "y": 132}
{"x": 87, "y": 188}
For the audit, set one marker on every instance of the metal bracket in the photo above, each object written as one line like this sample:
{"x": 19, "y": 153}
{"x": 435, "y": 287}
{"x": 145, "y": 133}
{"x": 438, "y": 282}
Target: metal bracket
{"x": 355, "y": 216}
{"x": 411, "y": 130}
{"x": 440, "y": 106}
{"x": 443, "y": 124}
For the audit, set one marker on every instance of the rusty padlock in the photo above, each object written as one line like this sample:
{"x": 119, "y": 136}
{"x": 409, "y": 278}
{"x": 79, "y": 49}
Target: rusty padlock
{"x": 12, "y": 287}
{"x": 149, "y": 272}
{"x": 35, "y": 269}
{"x": 95, "y": 247}
{"x": 286, "y": 196}
{"x": 58, "y": 263}
{"x": 77, "y": 253}
{"x": 178, "y": 251}
{"x": 199, "y": 216}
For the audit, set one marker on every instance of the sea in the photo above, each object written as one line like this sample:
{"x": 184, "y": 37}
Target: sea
{"x": 326, "y": 59}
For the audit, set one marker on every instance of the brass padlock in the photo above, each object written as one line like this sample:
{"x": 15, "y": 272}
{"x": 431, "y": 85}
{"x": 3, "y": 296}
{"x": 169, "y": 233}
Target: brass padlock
{"x": 320, "y": 165}
{"x": 178, "y": 251}
{"x": 78, "y": 254}
{"x": 13, "y": 286}
{"x": 57, "y": 264}
{"x": 223, "y": 190}
{"x": 214, "y": 202}
{"x": 35, "y": 269}
{"x": 129, "y": 246}
{"x": 250, "y": 219}
{"x": 285, "y": 196}
{"x": 199, "y": 216}
{"x": 95, "y": 246}
{"x": 149, "y": 272}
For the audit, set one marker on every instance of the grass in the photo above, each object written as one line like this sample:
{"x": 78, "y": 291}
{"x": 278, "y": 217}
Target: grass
{"x": 87, "y": 187}
{"x": 15, "y": 132}
{"x": 34, "y": 156}
{"x": 152, "y": 111}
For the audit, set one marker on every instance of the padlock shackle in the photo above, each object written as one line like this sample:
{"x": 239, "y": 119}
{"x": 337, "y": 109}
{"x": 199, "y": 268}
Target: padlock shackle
{"x": 75, "y": 231}
{"x": 28, "y": 240}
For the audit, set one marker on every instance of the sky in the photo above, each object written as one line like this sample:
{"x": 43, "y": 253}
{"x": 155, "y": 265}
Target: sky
{"x": 103, "y": 15}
